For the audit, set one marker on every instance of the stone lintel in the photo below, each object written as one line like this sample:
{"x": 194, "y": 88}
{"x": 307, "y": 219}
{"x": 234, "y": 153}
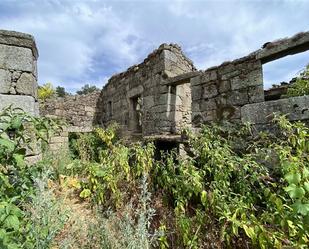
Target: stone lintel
{"x": 283, "y": 47}
{"x": 182, "y": 79}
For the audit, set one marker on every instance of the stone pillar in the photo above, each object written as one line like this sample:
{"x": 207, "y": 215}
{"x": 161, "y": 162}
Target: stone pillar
{"x": 18, "y": 71}
{"x": 18, "y": 78}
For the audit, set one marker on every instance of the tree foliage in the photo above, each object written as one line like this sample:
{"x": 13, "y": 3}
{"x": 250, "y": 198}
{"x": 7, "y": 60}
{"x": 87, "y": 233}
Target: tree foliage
{"x": 86, "y": 89}
{"x": 60, "y": 91}
{"x": 46, "y": 91}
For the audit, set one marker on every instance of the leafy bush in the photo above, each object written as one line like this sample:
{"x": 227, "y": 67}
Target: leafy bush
{"x": 87, "y": 146}
{"x": 86, "y": 89}
{"x": 301, "y": 86}
{"x": 18, "y": 130}
{"x": 235, "y": 188}
{"x": 230, "y": 186}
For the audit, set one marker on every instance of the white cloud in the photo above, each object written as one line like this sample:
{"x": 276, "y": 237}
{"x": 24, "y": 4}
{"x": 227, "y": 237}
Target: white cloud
{"x": 87, "y": 41}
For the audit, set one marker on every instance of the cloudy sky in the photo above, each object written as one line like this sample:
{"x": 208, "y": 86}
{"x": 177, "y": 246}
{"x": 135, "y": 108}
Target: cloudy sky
{"x": 87, "y": 41}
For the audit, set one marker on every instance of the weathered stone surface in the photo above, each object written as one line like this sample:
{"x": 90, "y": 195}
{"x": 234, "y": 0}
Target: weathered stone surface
{"x": 19, "y": 39}
{"x": 277, "y": 49}
{"x": 17, "y": 58}
{"x": 27, "y": 103}
{"x": 30, "y": 160}
{"x": 16, "y": 75}
{"x": 182, "y": 78}
{"x": 80, "y": 111}
{"x": 209, "y": 75}
{"x": 159, "y": 97}
{"x": 27, "y": 85}
{"x": 243, "y": 81}
{"x": 165, "y": 93}
{"x": 210, "y": 91}
{"x": 5, "y": 81}
{"x": 224, "y": 86}
{"x": 297, "y": 108}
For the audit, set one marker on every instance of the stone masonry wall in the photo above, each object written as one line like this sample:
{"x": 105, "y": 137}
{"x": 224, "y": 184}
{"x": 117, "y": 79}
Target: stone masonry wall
{"x": 18, "y": 71}
{"x": 147, "y": 82}
{"x": 220, "y": 92}
{"x": 261, "y": 114}
{"x": 18, "y": 77}
{"x": 164, "y": 94}
{"x": 223, "y": 92}
{"x": 78, "y": 111}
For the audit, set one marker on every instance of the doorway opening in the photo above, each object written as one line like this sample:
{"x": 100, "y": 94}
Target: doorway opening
{"x": 136, "y": 114}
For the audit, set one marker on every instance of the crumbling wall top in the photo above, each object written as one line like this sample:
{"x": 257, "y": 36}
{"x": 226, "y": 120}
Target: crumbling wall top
{"x": 19, "y": 39}
{"x": 154, "y": 54}
{"x": 287, "y": 46}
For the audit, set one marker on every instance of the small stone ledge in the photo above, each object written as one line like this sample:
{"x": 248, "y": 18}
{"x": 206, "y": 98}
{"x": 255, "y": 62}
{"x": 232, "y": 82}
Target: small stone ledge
{"x": 296, "y": 108}
{"x": 166, "y": 138}
{"x": 19, "y": 39}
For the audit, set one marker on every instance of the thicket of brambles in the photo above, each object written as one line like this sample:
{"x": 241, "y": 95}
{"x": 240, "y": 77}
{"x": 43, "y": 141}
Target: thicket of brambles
{"x": 234, "y": 188}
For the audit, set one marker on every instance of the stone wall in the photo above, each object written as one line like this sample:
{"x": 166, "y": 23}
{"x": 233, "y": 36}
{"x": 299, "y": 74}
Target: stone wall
{"x": 261, "y": 114}
{"x": 164, "y": 94}
{"x": 220, "y": 92}
{"x": 18, "y": 71}
{"x": 140, "y": 95}
{"x": 18, "y": 78}
{"x": 78, "y": 111}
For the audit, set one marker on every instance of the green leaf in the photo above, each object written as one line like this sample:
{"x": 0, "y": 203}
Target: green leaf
{"x": 16, "y": 122}
{"x": 12, "y": 222}
{"x": 293, "y": 178}
{"x": 8, "y": 144}
{"x": 19, "y": 159}
{"x": 306, "y": 185}
{"x": 305, "y": 173}
{"x": 4, "y": 126}
{"x": 295, "y": 192}
{"x": 301, "y": 208}
{"x": 204, "y": 197}
{"x": 13, "y": 246}
{"x": 2, "y": 234}
{"x": 250, "y": 232}
{"x": 85, "y": 193}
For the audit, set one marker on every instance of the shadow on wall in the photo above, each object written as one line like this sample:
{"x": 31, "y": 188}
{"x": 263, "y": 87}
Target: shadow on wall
{"x": 100, "y": 111}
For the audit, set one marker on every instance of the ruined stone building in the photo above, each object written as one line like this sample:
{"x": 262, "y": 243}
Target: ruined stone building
{"x": 162, "y": 95}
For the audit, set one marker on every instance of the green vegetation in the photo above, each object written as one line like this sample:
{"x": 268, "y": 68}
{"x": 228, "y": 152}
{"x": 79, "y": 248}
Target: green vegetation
{"x": 86, "y": 89}
{"x": 235, "y": 188}
{"x": 301, "y": 86}
{"x": 46, "y": 91}
{"x": 17, "y": 133}
{"x": 60, "y": 91}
